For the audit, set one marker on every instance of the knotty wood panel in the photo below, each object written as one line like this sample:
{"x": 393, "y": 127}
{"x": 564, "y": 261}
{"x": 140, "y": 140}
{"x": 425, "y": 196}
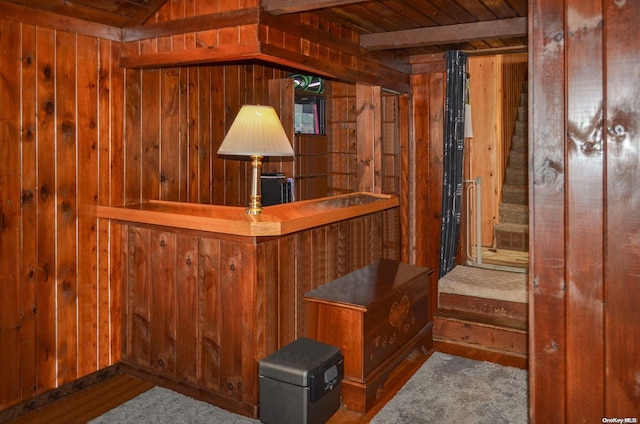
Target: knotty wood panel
{"x": 62, "y": 156}
{"x": 426, "y": 154}
{"x": 584, "y": 283}
{"x": 10, "y": 217}
{"x": 622, "y": 223}
{"x": 583, "y": 317}
{"x": 201, "y": 309}
{"x": 547, "y": 316}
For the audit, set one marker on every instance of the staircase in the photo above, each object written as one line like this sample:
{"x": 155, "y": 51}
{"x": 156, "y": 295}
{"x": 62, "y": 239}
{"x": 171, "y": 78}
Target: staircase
{"x": 484, "y": 309}
{"x": 512, "y": 230}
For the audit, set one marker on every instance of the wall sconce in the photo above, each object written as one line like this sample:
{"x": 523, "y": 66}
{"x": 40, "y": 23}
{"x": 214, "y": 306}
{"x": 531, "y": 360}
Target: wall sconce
{"x": 256, "y": 132}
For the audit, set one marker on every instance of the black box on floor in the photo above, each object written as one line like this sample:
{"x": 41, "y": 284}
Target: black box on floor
{"x": 300, "y": 383}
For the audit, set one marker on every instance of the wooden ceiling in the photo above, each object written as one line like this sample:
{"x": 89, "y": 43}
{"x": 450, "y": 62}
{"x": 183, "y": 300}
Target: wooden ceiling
{"x": 401, "y": 28}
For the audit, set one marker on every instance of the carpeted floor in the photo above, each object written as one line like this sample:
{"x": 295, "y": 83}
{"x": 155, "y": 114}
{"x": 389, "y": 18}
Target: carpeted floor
{"x": 445, "y": 389}
{"x": 450, "y": 389}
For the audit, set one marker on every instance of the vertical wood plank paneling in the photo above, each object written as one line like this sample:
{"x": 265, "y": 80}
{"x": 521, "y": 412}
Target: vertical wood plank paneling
{"x": 133, "y": 125}
{"x": 162, "y": 259}
{"x": 46, "y": 273}
{"x": 547, "y": 319}
{"x": 66, "y": 207}
{"x": 218, "y": 130}
{"x": 170, "y": 140}
{"x": 232, "y": 169}
{"x": 304, "y": 268}
{"x": 112, "y": 192}
{"x": 585, "y": 202}
{"x": 484, "y": 148}
{"x": 407, "y": 217}
{"x": 150, "y": 133}
{"x": 622, "y": 237}
{"x": 29, "y": 203}
{"x": 231, "y": 307}
{"x": 138, "y": 347}
{"x": 210, "y": 319}
{"x": 266, "y": 308}
{"x": 187, "y": 309}
{"x": 319, "y": 256}
{"x": 286, "y": 290}
{"x": 369, "y": 128}
{"x": 88, "y": 195}
{"x": 10, "y": 182}
{"x": 426, "y": 197}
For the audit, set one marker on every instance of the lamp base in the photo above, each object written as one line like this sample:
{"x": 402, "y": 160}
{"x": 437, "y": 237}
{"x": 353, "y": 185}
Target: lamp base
{"x": 253, "y": 210}
{"x": 255, "y": 199}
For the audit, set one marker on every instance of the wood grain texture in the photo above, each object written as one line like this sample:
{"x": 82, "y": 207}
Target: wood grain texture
{"x": 547, "y": 342}
{"x": 622, "y": 173}
{"x": 201, "y": 309}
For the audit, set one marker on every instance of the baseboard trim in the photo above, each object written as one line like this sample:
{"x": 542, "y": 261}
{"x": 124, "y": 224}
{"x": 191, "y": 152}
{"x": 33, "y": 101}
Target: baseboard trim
{"x": 59, "y": 393}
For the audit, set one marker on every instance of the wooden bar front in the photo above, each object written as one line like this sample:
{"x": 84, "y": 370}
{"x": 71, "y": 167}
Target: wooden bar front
{"x": 202, "y": 307}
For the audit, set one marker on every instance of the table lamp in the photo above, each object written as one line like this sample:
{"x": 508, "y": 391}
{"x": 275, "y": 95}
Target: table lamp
{"x": 256, "y": 132}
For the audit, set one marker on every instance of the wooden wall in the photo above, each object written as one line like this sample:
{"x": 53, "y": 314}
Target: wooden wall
{"x": 60, "y": 122}
{"x": 585, "y": 197}
{"x": 81, "y": 132}
{"x": 426, "y": 152}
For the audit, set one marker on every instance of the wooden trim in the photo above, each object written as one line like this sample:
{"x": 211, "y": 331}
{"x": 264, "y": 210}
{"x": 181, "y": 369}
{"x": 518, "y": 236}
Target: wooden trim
{"x": 274, "y": 221}
{"x": 226, "y": 53}
{"x": 58, "y": 393}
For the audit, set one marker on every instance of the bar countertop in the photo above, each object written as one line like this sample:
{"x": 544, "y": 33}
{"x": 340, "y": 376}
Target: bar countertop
{"x": 276, "y": 220}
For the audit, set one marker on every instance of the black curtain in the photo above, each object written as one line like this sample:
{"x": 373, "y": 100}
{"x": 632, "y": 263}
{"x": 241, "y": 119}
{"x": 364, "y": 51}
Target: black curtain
{"x": 453, "y": 158}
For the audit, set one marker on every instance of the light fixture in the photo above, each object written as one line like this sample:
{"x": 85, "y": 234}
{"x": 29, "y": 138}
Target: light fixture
{"x": 256, "y": 132}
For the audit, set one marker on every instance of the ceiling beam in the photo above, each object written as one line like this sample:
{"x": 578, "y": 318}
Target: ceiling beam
{"x": 281, "y": 7}
{"x": 448, "y": 34}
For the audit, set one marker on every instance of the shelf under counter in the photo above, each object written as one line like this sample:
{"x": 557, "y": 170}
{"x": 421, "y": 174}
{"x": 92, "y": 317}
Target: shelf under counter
{"x": 276, "y": 220}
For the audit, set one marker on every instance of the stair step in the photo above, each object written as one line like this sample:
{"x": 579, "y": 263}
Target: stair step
{"x": 514, "y": 213}
{"x": 511, "y": 236}
{"x": 521, "y": 127}
{"x": 518, "y": 159}
{"x": 490, "y": 308}
{"x": 523, "y": 111}
{"x": 516, "y": 176}
{"x": 519, "y": 143}
{"x": 518, "y": 195}
{"x": 505, "y": 336}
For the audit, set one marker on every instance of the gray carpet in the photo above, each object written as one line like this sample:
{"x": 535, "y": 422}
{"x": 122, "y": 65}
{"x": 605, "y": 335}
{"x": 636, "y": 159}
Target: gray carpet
{"x": 449, "y": 389}
{"x": 445, "y": 389}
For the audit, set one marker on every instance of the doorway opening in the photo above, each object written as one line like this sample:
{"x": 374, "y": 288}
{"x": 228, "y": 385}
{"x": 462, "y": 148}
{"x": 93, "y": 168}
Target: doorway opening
{"x": 495, "y": 231}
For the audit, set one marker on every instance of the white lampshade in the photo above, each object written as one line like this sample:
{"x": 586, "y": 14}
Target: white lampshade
{"x": 256, "y": 131}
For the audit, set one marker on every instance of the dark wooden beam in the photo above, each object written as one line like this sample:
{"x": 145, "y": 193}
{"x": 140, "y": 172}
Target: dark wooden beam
{"x": 431, "y": 36}
{"x": 281, "y": 7}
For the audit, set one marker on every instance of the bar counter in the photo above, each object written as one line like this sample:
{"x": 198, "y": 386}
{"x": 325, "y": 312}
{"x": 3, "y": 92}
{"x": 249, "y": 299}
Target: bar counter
{"x": 207, "y": 291}
{"x": 276, "y": 220}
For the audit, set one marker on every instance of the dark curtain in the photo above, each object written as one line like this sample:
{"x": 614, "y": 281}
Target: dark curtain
{"x": 453, "y": 158}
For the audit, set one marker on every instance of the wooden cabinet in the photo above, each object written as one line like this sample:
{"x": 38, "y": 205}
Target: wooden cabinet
{"x": 376, "y": 315}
